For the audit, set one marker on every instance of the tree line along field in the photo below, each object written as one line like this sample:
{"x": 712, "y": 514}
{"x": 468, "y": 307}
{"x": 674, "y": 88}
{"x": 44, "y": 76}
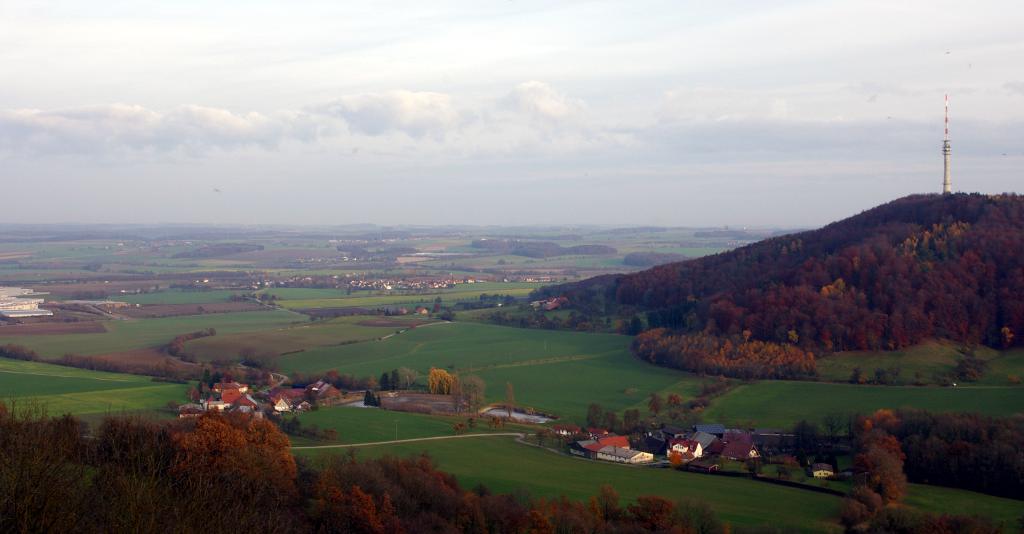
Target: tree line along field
{"x": 508, "y": 466}
{"x": 125, "y": 335}
{"x": 62, "y": 390}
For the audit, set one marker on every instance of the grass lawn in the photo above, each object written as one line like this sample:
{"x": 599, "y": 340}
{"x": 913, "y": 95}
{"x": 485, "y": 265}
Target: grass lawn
{"x": 559, "y": 372}
{"x": 78, "y": 391}
{"x": 1003, "y": 366}
{"x": 142, "y": 333}
{"x": 504, "y": 466}
{"x": 361, "y": 425}
{"x": 920, "y": 363}
{"x": 783, "y": 403}
{"x": 939, "y": 500}
{"x": 291, "y": 338}
{"x": 177, "y": 296}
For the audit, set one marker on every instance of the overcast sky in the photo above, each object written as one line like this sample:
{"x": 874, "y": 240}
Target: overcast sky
{"x": 767, "y": 113}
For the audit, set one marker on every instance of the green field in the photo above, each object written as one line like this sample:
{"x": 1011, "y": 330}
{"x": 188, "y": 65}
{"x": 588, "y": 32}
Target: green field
{"x": 374, "y": 301}
{"x": 553, "y": 371}
{"x": 176, "y": 296}
{"x": 362, "y": 425}
{"x": 292, "y": 338}
{"x": 78, "y": 391}
{"x": 503, "y": 465}
{"x": 142, "y": 333}
{"x": 783, "y": 403}
{"x": 922, "y": 363}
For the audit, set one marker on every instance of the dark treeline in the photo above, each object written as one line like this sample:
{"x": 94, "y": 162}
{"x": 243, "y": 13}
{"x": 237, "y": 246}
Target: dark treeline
{"x": 166, "y": 371}
{"x": 176, "y": 347}
{"x": 925, "y": 266}
{"x": 966, "y": 451}
{"x": 882, "y": 465}
{"x": 235, "y": 473}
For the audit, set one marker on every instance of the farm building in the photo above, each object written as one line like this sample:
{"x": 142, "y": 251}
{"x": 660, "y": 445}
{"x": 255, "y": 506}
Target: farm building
{"x": 611, "y": 453}
{"x": 714, "y": 429}
{"x": 702, "y": 466}
{"x": 586, "y": 448}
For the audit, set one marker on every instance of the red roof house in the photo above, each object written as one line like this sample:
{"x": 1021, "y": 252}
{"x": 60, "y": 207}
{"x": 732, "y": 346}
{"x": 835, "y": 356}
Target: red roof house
{"x": 614, "y": 441}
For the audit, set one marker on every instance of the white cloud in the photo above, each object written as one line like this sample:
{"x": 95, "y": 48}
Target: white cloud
{"x": 416, "y": 114}
{"x": 540, "y": 102}
{"x": 121, "y": 126}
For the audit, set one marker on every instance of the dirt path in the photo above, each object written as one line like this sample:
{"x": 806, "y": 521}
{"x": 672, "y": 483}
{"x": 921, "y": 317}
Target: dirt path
{"x": 518, "y": 435}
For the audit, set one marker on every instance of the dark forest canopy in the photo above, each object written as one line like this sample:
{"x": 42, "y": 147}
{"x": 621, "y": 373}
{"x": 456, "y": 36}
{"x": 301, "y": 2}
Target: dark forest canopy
{"x": 923, "y": 266}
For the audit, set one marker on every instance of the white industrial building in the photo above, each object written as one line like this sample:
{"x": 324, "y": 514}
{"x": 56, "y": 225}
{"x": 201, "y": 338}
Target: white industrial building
{"x": 16, "y": 302}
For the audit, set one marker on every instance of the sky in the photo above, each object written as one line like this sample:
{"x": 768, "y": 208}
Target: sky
{"x": 673, "y": 113}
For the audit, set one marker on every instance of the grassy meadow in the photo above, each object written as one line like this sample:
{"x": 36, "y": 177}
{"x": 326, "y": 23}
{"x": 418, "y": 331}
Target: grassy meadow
{"x": 782, "y": 403}
{"x": 923, "y": 363}
{"x": 362, "y": 425}
{"x": 290, "y": 338}
{"x": 133, "y": 334}
{"x": 77, "y": 391}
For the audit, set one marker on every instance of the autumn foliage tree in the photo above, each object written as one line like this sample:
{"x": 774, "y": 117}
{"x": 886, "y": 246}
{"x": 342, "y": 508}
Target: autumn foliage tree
{"x": 440, "y": 382}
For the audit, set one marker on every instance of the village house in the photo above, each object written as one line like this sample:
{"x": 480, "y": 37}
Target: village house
{"x": 323, "y": 392}
{"x": 221, "y": 387}
{"x": 566, "y": 429}
{"x": 706, "y": 441}
{"x": 739, "y": 446}
{"x": 820, "y": 470}
{"x": 686, "y": 447}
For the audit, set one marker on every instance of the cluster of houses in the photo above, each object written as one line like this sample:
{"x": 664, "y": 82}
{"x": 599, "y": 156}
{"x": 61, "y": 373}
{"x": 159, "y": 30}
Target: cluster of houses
{"x": 235, "y": 397}
{"x": 301, "y": 399}
{"x": 603, "y": 445}
{"x": 224, "y": 397}
{"x": 698, "y": 448}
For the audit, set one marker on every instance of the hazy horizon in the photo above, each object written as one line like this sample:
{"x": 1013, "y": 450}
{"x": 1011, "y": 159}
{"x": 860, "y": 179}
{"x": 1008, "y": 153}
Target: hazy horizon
{"x": 781, "y": 114}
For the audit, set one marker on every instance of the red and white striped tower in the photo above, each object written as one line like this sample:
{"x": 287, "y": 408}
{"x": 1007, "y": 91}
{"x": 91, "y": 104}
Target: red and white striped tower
{"x": 947, "y": 182}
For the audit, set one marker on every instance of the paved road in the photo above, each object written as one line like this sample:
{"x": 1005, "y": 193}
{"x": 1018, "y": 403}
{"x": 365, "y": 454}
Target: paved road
{"x": 519, "y": 435}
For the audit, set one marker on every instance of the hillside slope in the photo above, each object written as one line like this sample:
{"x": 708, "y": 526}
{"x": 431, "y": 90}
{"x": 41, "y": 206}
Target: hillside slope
{"x": 919, "y": 267}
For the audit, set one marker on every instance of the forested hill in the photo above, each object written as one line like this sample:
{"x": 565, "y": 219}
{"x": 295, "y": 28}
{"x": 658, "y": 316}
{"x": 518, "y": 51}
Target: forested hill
{"x": 922, "y": 266}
